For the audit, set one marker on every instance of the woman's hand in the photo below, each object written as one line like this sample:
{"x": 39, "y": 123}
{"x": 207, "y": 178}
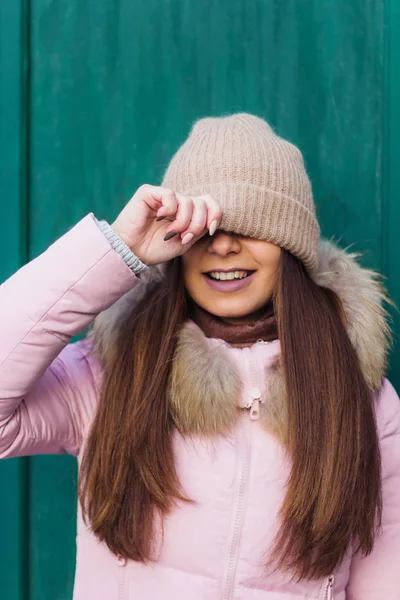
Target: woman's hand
{"x": 158, "y": 224}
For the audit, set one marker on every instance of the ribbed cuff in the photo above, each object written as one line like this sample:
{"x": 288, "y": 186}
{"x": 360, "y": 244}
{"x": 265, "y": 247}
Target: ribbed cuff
{"x": 133, "y": 262}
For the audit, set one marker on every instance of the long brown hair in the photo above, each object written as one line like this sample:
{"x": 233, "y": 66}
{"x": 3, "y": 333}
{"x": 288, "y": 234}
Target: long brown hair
{"x": 334, "y": 490}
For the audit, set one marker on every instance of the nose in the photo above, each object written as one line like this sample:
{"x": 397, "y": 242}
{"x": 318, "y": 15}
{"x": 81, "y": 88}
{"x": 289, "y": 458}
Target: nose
{"x": 224, "y": 244}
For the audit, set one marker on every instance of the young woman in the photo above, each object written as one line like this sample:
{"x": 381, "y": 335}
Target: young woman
{"x": 235, "y": 436}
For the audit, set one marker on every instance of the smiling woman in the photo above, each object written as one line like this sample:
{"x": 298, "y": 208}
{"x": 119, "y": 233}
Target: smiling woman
{"x": 231, "y": 276}
{"x": 235, "y": 434}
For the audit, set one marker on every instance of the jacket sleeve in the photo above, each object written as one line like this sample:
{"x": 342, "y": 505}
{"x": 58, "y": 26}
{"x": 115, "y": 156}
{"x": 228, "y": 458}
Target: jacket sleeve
{"x": 41, "y": 306}
{"x": 377, "y": 576}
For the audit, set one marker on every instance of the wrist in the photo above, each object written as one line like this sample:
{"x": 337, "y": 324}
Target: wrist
{"x": 120, "y": 243}
{"x": 122, "y": 234}
{"x": 127, "y": 239}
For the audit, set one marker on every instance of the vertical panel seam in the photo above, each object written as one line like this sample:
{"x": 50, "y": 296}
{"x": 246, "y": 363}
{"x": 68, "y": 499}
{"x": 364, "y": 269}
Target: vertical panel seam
{"x": 25, "y": 127}
{"x": 24, "y": 176}
{"x": 385, "y": 155}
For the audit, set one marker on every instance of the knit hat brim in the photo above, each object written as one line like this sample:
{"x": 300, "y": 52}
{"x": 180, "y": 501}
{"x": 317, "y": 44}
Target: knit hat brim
{"x": 267, "y": 215}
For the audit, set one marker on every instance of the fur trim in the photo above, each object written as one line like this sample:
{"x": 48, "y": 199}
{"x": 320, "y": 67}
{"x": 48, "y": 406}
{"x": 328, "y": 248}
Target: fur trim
{"x": 274, "y": 411}
{"x": 362, "y": 296}
{"x": 205, "y": 387}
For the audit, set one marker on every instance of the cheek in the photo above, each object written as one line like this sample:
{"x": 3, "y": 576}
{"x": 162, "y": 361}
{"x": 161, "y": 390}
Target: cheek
{"x": 192, "y": 258}
{"x": 267, "y": 254}
{"x": 191, "y": 272}
{"x": 268, "y": 257}
{"x": 192, "y": 262}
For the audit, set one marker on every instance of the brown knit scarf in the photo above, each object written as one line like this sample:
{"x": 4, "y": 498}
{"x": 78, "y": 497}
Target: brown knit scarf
{"x": 264, "y": 328}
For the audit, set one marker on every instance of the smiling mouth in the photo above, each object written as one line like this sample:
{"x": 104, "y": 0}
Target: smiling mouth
{"x": 228, "y": 275}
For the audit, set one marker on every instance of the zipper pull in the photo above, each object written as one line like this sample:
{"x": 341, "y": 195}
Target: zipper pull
{"x": 255, "y": 409}
{"x": 329, "y": 586}
{"x": 330, "y": 590}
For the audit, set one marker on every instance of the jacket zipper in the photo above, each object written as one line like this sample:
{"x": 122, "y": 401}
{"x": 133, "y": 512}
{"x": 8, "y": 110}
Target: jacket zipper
{"x": 327, "y": 589}
{"x": 229, "y": 575}
{"x": 254, "y": 404}
{"x": 245, "y": 453}
{"x": 255, "y": 409}
{"x": 121, "y": 562}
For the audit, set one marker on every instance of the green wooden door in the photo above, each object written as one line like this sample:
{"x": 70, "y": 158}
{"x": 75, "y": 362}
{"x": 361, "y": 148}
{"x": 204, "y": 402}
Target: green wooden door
{"x": 95, "y": 96}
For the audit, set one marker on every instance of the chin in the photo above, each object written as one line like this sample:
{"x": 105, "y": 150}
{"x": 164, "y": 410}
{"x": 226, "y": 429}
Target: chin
{"x": 226, "y": 311}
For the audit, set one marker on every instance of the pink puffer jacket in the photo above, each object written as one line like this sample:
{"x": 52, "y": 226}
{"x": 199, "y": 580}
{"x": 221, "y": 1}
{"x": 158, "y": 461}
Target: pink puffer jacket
{"x": 215, "y": 548}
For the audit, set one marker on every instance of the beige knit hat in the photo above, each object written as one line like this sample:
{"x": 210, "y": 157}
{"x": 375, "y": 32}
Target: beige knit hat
{"x": 258, "y": 178}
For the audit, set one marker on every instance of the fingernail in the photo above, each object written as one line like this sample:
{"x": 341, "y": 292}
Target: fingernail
{"x": 213, "y": 227}
{"x": 160, "y": 218}
{"x": 187, "y": 238}
{"x": 170, "y": 235}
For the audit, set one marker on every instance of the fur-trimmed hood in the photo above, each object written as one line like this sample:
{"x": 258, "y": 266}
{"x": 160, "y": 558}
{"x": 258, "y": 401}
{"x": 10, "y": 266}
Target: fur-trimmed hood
{"x": 205, "y": 383}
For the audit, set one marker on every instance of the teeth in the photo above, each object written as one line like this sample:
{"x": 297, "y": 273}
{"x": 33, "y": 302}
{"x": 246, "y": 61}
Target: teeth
{"x": 228, "y": 276}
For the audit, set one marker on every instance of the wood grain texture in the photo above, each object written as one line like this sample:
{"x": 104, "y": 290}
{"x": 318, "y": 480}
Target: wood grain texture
{"x": 117, "y": 86}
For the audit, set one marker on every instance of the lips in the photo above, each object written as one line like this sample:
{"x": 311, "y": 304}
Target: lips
{"x": 228, "y": 285}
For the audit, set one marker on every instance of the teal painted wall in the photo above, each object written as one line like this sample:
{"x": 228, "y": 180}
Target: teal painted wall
{"x": 95, "y": 96}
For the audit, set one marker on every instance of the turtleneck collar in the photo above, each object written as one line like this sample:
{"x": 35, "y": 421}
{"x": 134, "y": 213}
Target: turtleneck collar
{"x": 264, "y": 328}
